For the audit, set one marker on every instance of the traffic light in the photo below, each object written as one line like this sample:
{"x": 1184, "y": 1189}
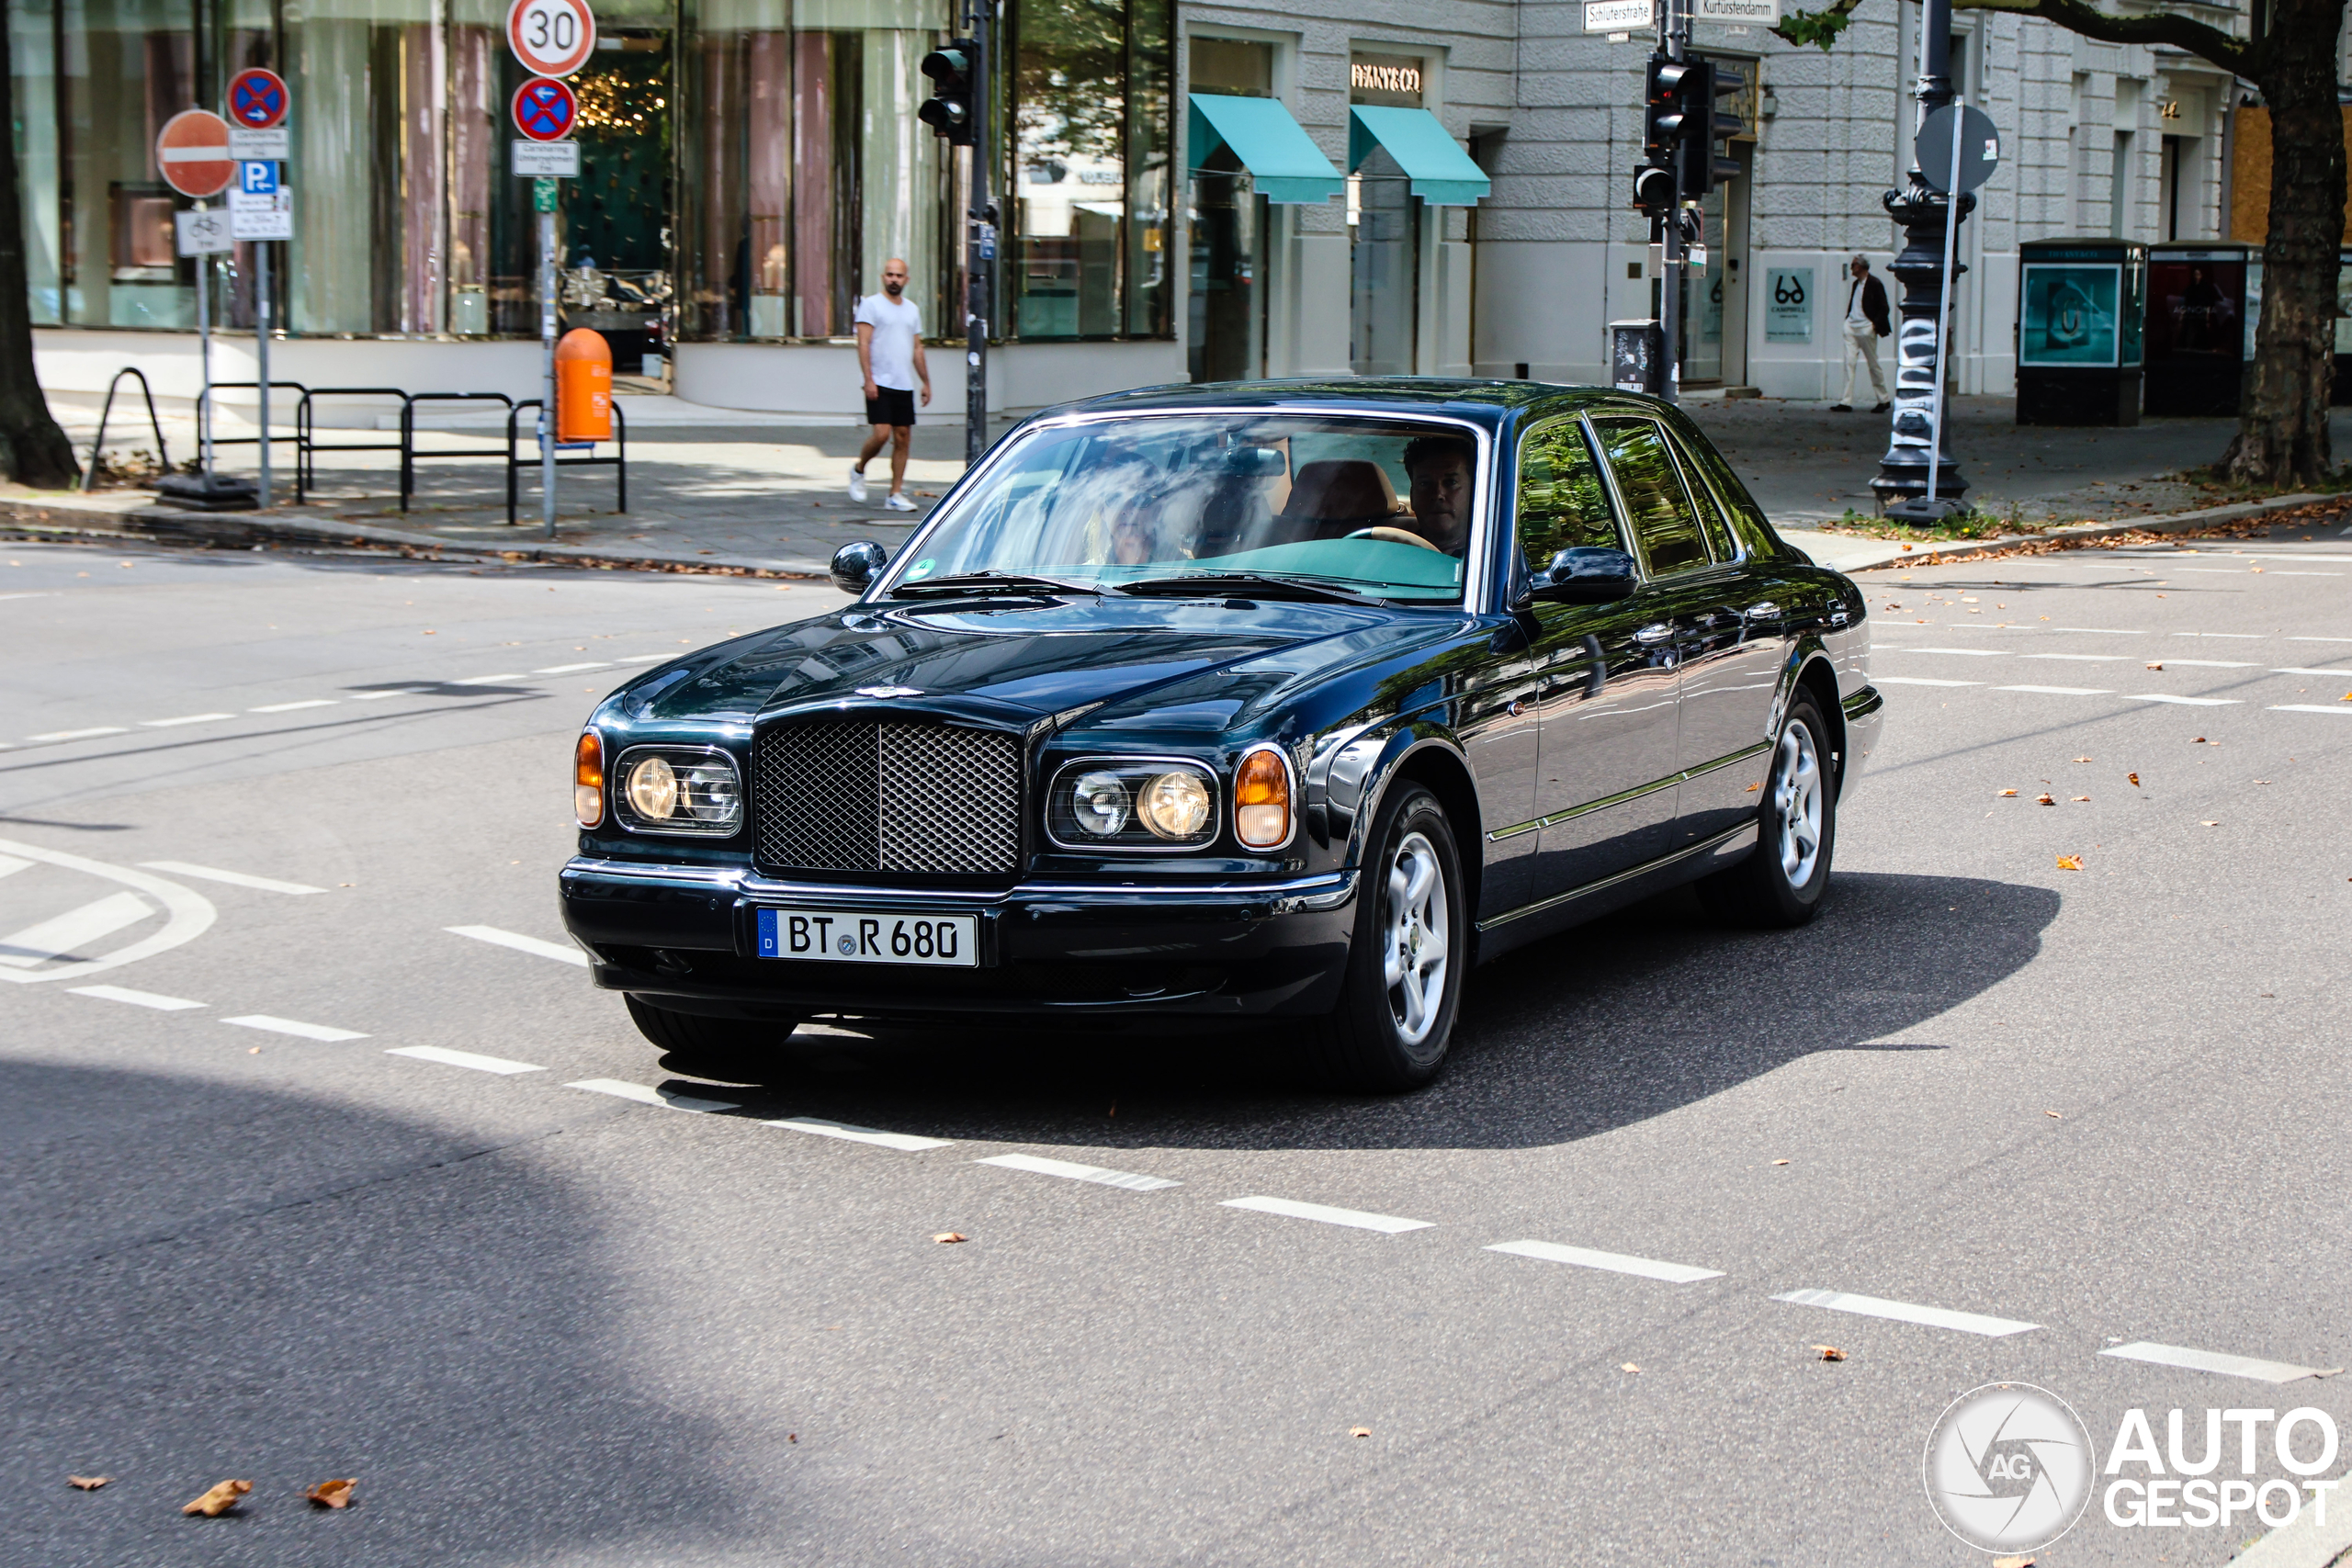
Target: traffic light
{"x": 1706, "y": 168}
{"x": 1654, "y": 189}
{"x": 1665, "y": 106}
{"x": 955, "y": 73}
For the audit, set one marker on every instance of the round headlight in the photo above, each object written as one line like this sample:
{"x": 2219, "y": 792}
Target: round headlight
{"x": 653, "y": 790}
{"x": 1175, "y": 805}
{"x": 1098, "y": 801}
{"x": 710, "y": 793}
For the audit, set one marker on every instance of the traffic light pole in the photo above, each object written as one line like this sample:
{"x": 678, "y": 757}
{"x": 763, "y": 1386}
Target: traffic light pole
{"x": 1674, "y": 43}
{"x": 980, "y": 249}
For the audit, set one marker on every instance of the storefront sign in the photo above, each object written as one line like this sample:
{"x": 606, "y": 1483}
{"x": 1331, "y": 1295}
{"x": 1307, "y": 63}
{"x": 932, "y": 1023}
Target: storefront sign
{"x": 193, "y": 152}
{"x": 1618, "y": 16}
{"x": 1788, "y": 308}
{"x": 547, "y": 160}
{"x": 1762, "y": 13}
{"x": 1386, "y": 81}
{"x": 203, "y": 233}
{"x": 552, "y": 38}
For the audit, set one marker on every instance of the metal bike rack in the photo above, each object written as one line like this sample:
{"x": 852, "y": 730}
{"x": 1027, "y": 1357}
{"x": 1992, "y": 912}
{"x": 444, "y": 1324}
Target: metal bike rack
{"x": 307, "y": 444}
{"x": 220, "y": 441}
{"x": 411, "y": 456}
{"x": 618, "y": 462}
{"x": 163, "y": 456}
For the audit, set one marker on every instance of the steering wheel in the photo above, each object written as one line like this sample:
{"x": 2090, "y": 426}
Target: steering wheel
{"x": 1394, "y": 537}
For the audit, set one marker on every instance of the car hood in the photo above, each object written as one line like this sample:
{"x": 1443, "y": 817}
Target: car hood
{"x": 1040, "y": 657}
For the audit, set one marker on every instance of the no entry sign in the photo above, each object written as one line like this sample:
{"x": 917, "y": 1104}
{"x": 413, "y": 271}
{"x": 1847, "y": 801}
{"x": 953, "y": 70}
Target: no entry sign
{"x": 193, "y": 152}
{"x": 545, "y": 110}
{"x": 257, "y": 99}
{"x": 552, "y": 38}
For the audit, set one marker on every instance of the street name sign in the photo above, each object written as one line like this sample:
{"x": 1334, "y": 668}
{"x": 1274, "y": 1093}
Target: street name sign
{"x": 1758, "y": 12}
{"x": 193, "y": 152}
{"x": 1619, "y": 15}
{"x": 547, "y": 160}
{"x": 552, "y": 38}
{"x": 544, "y": 110}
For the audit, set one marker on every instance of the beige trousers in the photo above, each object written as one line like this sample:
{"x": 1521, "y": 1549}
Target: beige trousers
{"x": 1862, "y": 348}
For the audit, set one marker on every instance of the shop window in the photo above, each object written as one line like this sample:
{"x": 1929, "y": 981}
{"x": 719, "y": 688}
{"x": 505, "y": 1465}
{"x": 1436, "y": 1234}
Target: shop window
{"x": 1383, "y": 230}
{"x": 1225, "y": 296}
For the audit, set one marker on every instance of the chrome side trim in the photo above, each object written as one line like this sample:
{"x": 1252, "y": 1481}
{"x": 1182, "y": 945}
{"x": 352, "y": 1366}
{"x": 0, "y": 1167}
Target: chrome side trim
{"x": 1514, "y": 830}
{"x": 1606, "y": 801}
{"x": 1326, "y": 891}
{"x": 1864, "y": 703}
{"x": 1606, "y": 883}
{"x": 1726, "y": 760}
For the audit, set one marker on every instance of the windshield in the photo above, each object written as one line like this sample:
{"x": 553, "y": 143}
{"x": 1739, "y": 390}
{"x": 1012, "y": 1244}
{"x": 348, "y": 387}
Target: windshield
{"x": 1371, "y": 505}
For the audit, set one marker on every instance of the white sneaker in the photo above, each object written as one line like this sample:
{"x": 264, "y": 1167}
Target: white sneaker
{"x": 898, "y": 503}
{"x": 856, "y": 484}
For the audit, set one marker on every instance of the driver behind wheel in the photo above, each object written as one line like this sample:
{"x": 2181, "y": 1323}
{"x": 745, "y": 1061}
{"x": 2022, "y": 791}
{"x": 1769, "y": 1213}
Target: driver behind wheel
{"x": 1440, "y": 467}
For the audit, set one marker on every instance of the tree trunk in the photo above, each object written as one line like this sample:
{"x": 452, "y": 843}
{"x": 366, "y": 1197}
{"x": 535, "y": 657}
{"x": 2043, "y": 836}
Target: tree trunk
{"x": 33, "y": 450}
{"x": 2282, "y": 426}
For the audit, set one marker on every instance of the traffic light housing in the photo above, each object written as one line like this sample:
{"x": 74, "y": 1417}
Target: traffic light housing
{"x": 955, "y": 73}
{"x": 1708, "y": 168}
{"x": 1666, "y": 106}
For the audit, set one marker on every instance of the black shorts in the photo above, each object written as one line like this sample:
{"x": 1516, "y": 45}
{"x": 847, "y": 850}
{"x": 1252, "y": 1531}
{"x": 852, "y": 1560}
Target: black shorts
{"x": 891, "y": 405}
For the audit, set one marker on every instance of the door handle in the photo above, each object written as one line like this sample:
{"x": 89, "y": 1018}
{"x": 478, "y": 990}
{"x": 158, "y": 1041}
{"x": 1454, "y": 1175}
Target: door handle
{"x": 1654, "y": 634}
{"x": 1764, "y": 612}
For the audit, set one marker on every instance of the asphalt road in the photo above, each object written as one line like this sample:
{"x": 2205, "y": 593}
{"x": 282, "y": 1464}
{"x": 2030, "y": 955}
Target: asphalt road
{"x": 270, "y": 1216}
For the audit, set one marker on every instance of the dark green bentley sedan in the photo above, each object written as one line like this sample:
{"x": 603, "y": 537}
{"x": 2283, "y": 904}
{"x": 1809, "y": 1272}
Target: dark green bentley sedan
{"x": 1264, "y": 700}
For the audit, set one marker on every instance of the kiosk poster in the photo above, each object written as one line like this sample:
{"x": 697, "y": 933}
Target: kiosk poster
{"x": 2199, "y": 301}
{"x": 1788, "y": 304}
{"x": 2069, "y": 314}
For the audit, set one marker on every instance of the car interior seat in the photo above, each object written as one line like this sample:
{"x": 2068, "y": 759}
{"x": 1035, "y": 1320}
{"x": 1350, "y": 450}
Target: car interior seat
{"x": 1334, "y": 497}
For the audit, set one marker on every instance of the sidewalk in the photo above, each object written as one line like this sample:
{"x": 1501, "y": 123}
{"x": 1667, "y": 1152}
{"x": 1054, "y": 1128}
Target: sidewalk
{"x": 716, "y": 487}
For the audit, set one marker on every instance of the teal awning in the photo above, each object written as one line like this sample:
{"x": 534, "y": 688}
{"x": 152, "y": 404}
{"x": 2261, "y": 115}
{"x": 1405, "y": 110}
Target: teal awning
{"x": 1284, "y": 162}
{"x": 1442, "y": 171}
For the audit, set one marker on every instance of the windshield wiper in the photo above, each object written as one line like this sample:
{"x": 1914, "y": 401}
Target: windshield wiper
{"x": 1263, "y": 585}
{"x": 997, "y": 582}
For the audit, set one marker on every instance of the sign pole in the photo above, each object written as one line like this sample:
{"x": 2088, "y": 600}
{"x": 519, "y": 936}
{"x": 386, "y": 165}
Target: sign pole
{"x": 261, "y": 344}
{"x": 1674, "y": 36}
{"x": 1944, "y": 314}
{"x": 204, "y": 357}
{"x": 980, "y": 256}
{"x": 544, "y": 190}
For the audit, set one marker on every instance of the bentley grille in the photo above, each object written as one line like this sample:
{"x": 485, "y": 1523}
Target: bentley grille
{"x": 862, "y": 794}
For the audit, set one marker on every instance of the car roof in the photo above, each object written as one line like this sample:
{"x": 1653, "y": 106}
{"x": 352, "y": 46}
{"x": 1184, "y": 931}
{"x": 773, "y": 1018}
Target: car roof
{"x": 1486, "y": 402}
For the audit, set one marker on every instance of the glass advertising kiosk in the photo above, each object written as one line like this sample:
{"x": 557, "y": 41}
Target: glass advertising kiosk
{"x": 2202, "y": 314}
{"x": 2081, "y": 309}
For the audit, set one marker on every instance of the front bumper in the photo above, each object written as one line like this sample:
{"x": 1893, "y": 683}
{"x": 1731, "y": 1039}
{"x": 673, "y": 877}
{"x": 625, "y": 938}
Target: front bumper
{"x": 1865, "y": 717}
{"x": 686, "y": 938}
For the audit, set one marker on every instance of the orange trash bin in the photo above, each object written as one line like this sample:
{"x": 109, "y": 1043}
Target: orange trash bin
{"x": 583, "y": 387}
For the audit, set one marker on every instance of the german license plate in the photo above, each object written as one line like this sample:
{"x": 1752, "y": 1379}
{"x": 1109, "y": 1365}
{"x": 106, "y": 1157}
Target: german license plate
{"x": 852, "y": 936}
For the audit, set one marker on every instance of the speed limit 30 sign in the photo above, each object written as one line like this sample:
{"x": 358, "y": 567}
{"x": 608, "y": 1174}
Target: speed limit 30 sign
{"x": 552, "y": 38}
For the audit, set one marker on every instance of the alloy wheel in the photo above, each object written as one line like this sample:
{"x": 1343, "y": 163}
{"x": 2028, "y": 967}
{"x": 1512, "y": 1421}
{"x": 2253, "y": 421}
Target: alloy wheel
{"x": 1415, "y": 957}
{"x": 1796, "y": 794}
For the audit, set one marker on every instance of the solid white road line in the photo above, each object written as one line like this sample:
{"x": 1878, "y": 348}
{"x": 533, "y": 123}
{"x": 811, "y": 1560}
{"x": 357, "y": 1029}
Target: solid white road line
{"x": 2310, "y": 707}
{"x": 2186, "y": 702}
{"x": 464, "y": 1059}
{"x": 905, "y": 1142}
{"x": 644, "y": 1096}
{"x": 289, "y": 707}
{"x": 1918, "y": 680}
{"x": 233, "y": 878}
{"x": 1615, "y": 1262}
{"x": 80, "y": 734}
{"x": 2084, "y": 658}
{"x": 59, "y": 936}
{"x": 10, "y": 864}
{"x": 1905, "y": 1312}
{"x": 1387, "y": 1223}
{"x": 2061, "y": 691}
{"x": 1096, "y": 1173}
{"x": 185, "y": 719}
{"x": 136, "y": 998}
{"x": 2291, "y": 670}
{"x": 290, "y": 1026}
{"x": 1964, "y": 652}
{"x": 568, "y": 669}
{"x": 2211, "y": 1361}
{"x": 561, "y": 951}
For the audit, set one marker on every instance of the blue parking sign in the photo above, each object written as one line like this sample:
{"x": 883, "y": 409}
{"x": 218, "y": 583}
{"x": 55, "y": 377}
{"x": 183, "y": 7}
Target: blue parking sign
{"x": 257, "y": 178}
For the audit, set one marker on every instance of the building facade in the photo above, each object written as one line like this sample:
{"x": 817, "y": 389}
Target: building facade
{"x": 1189, "y": 190}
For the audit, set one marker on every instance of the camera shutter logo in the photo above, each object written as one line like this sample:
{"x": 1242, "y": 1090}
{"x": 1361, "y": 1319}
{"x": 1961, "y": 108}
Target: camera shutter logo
{"x": 2010, "y": 1467}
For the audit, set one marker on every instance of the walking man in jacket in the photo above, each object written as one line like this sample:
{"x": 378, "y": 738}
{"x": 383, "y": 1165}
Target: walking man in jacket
{"x": 1866, "y": 322}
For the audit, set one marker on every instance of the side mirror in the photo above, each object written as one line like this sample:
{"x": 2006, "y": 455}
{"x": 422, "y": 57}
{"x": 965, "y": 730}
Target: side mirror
{"x": 856, "y": 563}
{"x": 1587, "y": 574}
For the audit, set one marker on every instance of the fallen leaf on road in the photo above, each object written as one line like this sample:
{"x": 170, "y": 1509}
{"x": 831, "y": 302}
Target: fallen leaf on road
{"x": 2082, "y": 759}
{"x": 221, "y": 1499}
{"x": 944, "y": 1237}
{"x": 1751, "y": 789}
{"x": 2156, "y": 666}
{"x": 2006, "y": 792}
{"x": 1830, "y": 1352}
{"x": 1779, "y": 1162}
{"x": 87, "y": 1482}
{"x": 2256, "y": 569}
{"x": 2134, "y": 778}
{"x": 2262, "y": 780}
{"x": 2070, "y": 863}
{"x": 2201, "y": 739}
{"x": 2079, "y": 798}
{"x": 2203, "y": 824}
{"x": 331, "y": 1494}
{"x": 1359, "y": 1431}
{"x": 2045, "y": 800}
{"x": 2013, "y": 1563}
{"x": 2056, "y": 1115}
{"x": 1629, "y": 1366}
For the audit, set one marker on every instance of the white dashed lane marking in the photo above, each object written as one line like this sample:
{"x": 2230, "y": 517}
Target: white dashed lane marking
{"x": 2104, "y": 631}
{"x": 644, "y": 1096}
{"x": 185, "y": 719}
{"x": 489, "y": 680}
{"x": 395, "y": 692}
{"x": 2319, "y": 639}
{"x": 1387, "y": 1223}
{"x": 295, "y": 1027}
{"x": 2249, "y": 637}
{"x": 1918, "y": 680}
{"x": 2291, "y": 670}
{"x": 1039, "y": 1165}
{"x": 2062, "y": 691}
{"x": 906, "y": 1143}
{"x": 233, "y": 878}
{"x": 2083, "y": 658}
{"x": 1906, "y": 1311}
{"x": 2219, "y": 664}
{"x": 2211, "y": 1361}
{"x": 80, "y": 734}
{"x": 1963, "y": 652}
{"x": 570, "y": 669}
{"x": 1614, "y": 1262}
{"x": 136, "y": 998}
{"x": 561, "y": 951}
{"x": 2310, "y": 707}
{"x": 59, "y": 937}
{"x": 10, "y": 864}
{"x": 465, "y": 1059}
{"x": 289, "y": 707}
{"x": 2189, "y": 702}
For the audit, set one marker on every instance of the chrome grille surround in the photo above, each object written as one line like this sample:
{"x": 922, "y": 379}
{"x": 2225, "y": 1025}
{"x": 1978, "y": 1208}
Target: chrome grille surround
{"x": 840, "y": 792}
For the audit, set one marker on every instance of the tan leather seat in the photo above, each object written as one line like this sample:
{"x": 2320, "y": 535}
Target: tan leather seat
{"x": 1336, "y": 496}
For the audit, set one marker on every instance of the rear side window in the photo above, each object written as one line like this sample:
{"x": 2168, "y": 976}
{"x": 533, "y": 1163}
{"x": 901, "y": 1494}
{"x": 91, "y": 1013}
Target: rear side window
{"x": 1656, "y": 505}
{"x": 1746, "y": 519}
{"x": 1562, "y": 502}
{"x": 1702, "y": 501}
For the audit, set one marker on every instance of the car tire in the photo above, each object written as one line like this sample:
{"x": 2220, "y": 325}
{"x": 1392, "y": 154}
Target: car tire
{"x": 1394, "y": 1018}
{"x": 729, "y": 1050}
{"x": 1781, "y": 882}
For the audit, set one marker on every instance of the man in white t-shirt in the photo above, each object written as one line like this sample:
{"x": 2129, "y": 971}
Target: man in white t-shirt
{"x": 889, "y": 356}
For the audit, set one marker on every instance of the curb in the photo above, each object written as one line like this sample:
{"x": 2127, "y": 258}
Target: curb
{"x": 73, "y": 516}
{"x": 2080, "y": 532}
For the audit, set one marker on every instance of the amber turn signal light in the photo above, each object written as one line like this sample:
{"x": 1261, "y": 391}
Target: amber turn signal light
{"x": 1261, "y": 799}
{"x": 588, "y": 781}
